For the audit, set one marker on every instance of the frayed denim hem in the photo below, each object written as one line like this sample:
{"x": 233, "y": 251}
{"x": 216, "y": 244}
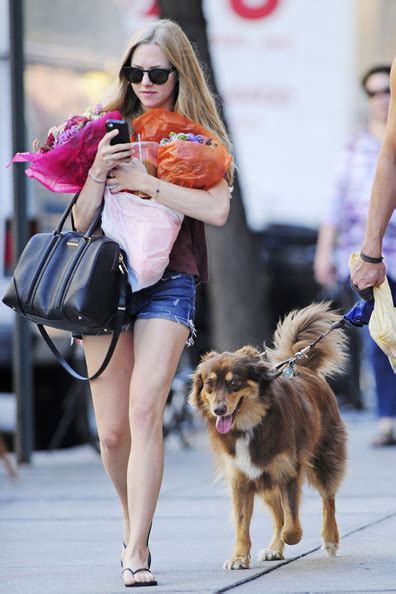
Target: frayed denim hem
{"x": 173, "y": 318}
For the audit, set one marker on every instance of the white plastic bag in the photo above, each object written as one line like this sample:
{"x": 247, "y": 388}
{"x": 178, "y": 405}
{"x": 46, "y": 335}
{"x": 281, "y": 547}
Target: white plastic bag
{"x": 382, "y": 324}
{"x": 146, "y": 231}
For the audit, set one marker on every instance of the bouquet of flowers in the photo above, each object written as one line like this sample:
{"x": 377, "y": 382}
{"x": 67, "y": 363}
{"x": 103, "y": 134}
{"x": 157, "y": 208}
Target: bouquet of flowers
{"x": 189, "y": 137}
{"x": 61, "y": 164}
{"x": 189, "y": 155}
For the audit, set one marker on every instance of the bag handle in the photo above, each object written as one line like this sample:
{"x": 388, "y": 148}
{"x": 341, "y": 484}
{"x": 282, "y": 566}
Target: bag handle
{"x": 66, "y": 213}
{"x": 114, "y": 340}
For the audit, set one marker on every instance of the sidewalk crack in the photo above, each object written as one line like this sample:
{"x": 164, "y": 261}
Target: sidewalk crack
{"x": 251, "y": 578}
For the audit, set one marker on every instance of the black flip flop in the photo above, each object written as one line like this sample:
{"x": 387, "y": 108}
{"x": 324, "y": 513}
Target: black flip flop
{"x": 140, "y": 584}
{"x": 124, "y": 545}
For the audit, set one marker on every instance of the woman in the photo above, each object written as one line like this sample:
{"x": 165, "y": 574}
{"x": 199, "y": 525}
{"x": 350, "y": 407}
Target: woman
{"x": 159, "y": 70}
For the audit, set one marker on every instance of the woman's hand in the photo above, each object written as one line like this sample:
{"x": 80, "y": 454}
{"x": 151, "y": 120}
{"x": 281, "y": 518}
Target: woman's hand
{"x": 108, "y": 156}
{"x": 129, "y": 175}
{"x": 324, "y": 270}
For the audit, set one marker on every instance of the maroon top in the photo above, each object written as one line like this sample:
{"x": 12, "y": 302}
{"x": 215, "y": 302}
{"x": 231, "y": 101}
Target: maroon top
{"x": 189, "y": 252}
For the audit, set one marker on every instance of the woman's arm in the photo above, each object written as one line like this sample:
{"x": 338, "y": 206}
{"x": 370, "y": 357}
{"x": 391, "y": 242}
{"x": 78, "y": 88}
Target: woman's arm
{"x": 210, "y": 206}
{"x": 88, "y": 204}
{"x": 90, "y": 199}
{"x": 323, "y": 264}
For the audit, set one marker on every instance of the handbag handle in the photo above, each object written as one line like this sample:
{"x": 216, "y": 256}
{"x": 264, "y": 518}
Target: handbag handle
{"x": 110, "y": 351}
{"x": 66, "y": 213}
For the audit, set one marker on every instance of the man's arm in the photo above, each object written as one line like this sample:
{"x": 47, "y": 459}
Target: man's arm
{"x": 382, "y": 201}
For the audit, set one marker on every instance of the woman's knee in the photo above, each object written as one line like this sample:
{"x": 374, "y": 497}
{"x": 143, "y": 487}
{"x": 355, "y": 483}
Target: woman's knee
{"x": 113, "y": 439}
{"x": 146, "y": 416}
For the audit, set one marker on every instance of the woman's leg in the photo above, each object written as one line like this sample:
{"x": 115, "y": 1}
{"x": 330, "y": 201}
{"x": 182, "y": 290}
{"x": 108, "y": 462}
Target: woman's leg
{"x": 158, "y": 344}
{"x": 110, "y": 395}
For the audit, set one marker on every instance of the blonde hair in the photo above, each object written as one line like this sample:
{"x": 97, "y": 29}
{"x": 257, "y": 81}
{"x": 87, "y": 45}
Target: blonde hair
{"x": 193, "y": 97}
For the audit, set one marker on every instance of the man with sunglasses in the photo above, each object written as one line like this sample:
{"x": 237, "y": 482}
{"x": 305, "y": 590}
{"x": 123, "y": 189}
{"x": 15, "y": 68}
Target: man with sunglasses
{"x": 341, "y": 233}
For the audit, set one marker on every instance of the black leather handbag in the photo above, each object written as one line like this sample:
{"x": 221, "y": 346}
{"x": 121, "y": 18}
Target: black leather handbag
{"x": 71, "y": 281}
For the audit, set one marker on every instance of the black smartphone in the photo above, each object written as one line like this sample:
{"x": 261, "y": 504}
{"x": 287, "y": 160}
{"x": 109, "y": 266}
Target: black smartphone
{"x": 123, "y": 131}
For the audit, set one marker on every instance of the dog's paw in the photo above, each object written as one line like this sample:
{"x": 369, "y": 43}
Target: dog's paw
{"x": 269, "y": 554}
{"x": 330, "y": 547}
{"x": 292, "y": 535}
{"x": 237, "y": 563}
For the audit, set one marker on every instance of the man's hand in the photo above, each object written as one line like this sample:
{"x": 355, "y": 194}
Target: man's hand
{"x": 365, "y": 274}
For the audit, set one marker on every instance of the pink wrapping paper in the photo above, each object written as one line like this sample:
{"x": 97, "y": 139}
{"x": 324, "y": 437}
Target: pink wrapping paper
{"x": 65, "y": 168}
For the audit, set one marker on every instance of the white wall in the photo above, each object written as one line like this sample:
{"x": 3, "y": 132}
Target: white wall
{"x": 288, "y": 81}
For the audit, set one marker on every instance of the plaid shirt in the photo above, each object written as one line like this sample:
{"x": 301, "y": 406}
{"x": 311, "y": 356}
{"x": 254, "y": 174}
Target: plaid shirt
{"x": 349, "y": 201}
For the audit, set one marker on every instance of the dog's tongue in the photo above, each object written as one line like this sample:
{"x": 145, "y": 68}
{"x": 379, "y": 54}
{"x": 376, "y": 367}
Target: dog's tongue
{"x": 223, "y": 424}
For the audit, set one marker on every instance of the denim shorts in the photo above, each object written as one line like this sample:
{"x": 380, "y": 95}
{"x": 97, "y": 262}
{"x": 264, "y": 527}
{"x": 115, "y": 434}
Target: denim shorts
{"x": 171, "y": 298}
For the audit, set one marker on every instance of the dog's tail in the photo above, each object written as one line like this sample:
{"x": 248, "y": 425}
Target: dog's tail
{"x": 300, "y": 328}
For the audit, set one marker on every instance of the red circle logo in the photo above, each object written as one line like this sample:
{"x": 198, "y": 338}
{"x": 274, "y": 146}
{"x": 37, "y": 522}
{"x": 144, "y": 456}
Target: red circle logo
{"x": 253, "y": 13}
{"x": 154, "y": 9}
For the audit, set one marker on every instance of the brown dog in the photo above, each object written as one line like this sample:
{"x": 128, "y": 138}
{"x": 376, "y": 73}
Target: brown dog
{"x": 268, "y": 433}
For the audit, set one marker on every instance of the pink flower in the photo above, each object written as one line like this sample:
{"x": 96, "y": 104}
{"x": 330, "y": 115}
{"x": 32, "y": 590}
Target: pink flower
{"x": 76, "y": 121}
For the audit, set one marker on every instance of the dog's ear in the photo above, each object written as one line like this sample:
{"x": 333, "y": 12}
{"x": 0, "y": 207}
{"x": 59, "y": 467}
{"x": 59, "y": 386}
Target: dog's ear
{"x": 250, "y": 351}
{"x": 197, "y": 385}
{"x": 259, "y": 368}
{"x": 197, "y": 381}
{"x": 208, "y": 355}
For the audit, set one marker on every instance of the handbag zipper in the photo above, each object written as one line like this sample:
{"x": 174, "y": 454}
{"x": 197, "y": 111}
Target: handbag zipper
{"x": 122, "y": 265}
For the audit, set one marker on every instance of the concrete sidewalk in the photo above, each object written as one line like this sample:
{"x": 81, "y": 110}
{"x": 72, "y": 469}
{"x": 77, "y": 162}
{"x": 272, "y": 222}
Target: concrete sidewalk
{"x": 60, "y": 528}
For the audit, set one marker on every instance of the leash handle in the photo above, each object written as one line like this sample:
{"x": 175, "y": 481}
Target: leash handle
{"x": 366, "y": 294}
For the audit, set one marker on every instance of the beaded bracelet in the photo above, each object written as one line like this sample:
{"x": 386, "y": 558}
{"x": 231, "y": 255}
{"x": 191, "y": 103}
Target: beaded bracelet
{"x": 96, "y": 179}
{"x": 371, "y": 259}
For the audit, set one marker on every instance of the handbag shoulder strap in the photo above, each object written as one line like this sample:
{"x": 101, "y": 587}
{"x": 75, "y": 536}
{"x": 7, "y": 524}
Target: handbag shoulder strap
{"x": 116, "y": 334}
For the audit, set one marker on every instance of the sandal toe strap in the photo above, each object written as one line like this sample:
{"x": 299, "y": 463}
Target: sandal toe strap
{"x": 140, "y": 569}
{"x": 136, "y": 570}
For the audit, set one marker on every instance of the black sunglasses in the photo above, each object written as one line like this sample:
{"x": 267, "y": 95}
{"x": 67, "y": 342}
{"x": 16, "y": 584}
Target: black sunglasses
{"x": 385, "y": 91}
{"x": 158, "y": 76}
